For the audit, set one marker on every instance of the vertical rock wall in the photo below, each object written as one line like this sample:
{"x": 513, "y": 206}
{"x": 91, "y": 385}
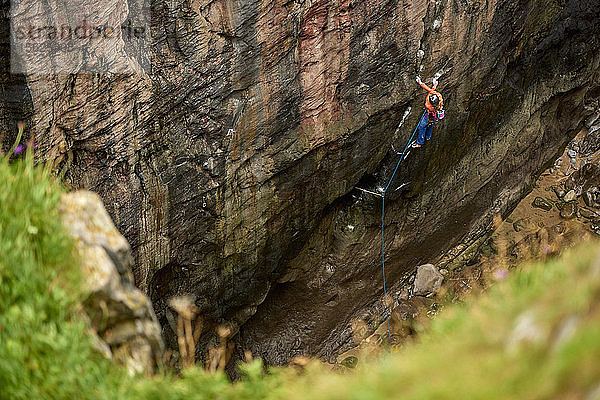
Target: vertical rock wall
{"x": 230, "y": 166}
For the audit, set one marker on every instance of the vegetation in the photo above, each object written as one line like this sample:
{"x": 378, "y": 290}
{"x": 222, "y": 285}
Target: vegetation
{"x": 44, "y": 349}
{"x": 534, "y": 335}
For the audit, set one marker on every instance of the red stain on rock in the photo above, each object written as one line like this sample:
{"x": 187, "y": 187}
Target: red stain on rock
{"x": 323, "y": 56}
{"x": 315, "y": 20}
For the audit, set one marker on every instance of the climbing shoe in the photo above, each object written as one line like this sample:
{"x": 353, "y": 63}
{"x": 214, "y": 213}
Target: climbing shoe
{"x": 416, "y": 145}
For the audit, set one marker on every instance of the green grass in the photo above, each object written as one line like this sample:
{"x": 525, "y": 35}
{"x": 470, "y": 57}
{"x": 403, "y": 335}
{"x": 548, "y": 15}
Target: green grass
{"x": 534, "y": 336}
{"x": 44, "y": 350}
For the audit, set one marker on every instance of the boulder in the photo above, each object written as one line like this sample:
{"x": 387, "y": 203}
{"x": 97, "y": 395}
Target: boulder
{"x": 427, "y": 280}
{"x": 570, "y": 196}
{"x": 558, "y": 191}
{"x": 583, "y": 180}
{"x": 569, "y": 210}
{"x": 350, "y": 362}
{"x": 591, "y": 197}
{"x": 589, "y": 214}
{"x": 572, "y": 153}
{"x": 119, "y": 313}
{"x": 539, "y": 202}
{"x": 520, "y": 224}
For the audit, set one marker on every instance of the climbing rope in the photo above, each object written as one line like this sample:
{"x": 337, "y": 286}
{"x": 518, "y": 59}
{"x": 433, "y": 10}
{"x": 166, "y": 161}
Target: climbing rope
{"x": 404, "y": 154}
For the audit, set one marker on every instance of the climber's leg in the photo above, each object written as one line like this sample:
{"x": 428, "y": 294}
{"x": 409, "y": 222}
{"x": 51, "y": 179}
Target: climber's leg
{"x": 421, "y": 130}
{"x": 428, "y": 132}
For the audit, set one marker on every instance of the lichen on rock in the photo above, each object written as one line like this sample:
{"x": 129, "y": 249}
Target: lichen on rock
{"x": 119, "y": 313}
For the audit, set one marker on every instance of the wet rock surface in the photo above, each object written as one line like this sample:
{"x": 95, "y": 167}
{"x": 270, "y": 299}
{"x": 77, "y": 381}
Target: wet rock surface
{"x": 230, "y": 170}
{"x": 119, "y": 313}
{"x": 542, "y": 203}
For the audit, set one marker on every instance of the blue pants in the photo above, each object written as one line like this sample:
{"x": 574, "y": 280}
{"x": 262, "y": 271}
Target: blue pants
{"x": 424, "y": 130}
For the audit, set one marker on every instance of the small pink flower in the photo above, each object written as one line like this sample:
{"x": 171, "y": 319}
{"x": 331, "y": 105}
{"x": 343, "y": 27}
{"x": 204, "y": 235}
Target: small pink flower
{"x": 547, "y": 250}
{"x": 500, "y": 274}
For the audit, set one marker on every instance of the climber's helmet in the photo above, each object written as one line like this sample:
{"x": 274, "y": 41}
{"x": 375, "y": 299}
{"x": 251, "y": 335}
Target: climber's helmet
{"x": 434, "y": 100}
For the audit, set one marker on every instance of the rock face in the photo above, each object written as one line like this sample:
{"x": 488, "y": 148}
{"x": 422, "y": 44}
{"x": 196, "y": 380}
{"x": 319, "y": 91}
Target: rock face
{"x": 230, "y": 168}
{"x": 119, "y": 313}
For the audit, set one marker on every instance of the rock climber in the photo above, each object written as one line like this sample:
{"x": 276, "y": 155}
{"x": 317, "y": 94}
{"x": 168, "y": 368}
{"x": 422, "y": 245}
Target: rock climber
{"x": 435, "y": 111}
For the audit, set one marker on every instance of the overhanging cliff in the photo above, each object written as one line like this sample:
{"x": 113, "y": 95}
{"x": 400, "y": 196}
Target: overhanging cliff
{"x": 230, "y": 167}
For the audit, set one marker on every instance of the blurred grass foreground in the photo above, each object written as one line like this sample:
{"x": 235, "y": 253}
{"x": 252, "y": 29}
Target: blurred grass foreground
{"x": 535, "y": 335}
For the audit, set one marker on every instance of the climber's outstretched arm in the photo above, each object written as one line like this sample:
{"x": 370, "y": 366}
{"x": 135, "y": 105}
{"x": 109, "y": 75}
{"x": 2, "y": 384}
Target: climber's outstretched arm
{"x": 424, "y": 86}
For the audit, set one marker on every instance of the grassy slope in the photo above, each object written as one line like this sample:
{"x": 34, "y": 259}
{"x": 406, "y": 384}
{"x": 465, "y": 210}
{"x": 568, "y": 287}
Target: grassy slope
{"x": 44, "y": 351}
{"x": 536, "y": 335}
